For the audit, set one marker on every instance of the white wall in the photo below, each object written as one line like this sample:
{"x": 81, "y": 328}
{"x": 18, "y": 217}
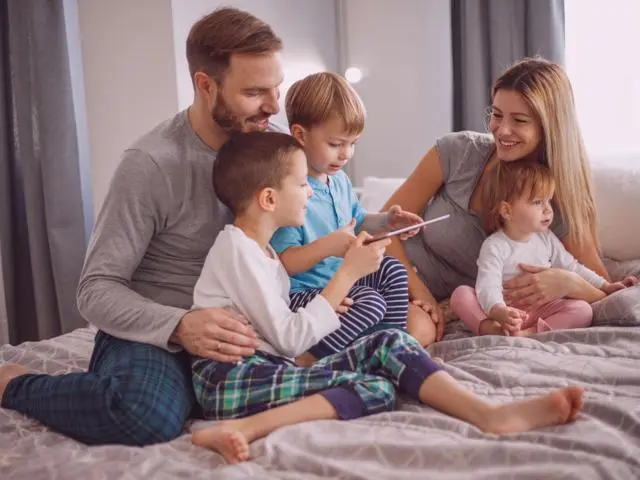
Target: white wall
{"x": 129, "y": 77}
{"x": 135, "y": 71}
{"x": 404, "y": 51}
{"x": 306, "y": 27}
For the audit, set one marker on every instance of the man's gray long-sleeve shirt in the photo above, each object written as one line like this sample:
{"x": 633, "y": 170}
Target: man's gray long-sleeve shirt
{"x": 151, "y": 237}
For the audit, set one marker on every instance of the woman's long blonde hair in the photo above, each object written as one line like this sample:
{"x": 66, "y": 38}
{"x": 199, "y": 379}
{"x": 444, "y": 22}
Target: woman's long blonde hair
{"x": 546, "y": 88}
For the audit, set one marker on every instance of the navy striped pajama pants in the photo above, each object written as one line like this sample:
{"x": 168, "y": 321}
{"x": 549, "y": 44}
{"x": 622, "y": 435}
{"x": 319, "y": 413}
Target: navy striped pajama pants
{"x": 380, "y": 300}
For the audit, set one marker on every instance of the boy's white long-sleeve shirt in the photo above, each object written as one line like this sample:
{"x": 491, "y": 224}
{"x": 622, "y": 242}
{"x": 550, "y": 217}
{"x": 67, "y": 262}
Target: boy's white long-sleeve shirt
{"x": 238, "y": 273}
{"x": 500, "y": 257}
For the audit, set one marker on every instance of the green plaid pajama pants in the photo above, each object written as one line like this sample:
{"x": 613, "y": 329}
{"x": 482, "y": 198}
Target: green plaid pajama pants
{"x": 360, "y": 380}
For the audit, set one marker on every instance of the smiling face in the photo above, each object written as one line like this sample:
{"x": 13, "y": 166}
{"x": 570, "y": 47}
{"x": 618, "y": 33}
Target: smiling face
{"x": 249, "y": 92}
{"x": 328, "y": 146}
{"x": 515, "y": 128}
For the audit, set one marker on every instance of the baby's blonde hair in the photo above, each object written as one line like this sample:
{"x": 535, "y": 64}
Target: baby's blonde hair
{"x": 322, "y": 96}
{"x": 510, "y": 181}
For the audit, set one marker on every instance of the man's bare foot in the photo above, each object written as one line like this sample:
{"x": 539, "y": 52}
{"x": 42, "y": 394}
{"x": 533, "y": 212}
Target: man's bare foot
{"x": 420, "y": 326}
{"x": 306, "y": 360}
{"x": 490, "y": 327}
{"x": 226, "y": 439}
{"x": 556, "y": 408}
{"x": 8, "y": 372}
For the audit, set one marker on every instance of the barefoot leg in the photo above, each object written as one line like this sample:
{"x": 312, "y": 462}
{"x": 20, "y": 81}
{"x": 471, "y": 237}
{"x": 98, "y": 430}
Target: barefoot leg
{"x": 231, "y": 438}
{"x": 556, "y": 408}
{"x": 442, "y": 392}
{"x": 8, "y": 372}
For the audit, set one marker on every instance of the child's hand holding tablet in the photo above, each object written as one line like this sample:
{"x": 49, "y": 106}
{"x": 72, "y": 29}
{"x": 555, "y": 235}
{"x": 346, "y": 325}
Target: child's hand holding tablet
{"x": 412, "y": 229}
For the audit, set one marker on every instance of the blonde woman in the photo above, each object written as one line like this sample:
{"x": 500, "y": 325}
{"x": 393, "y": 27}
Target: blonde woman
{"x": 532, "y": 116}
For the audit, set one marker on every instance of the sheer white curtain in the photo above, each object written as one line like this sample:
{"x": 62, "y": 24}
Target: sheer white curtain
{"x": 602, "y": 60}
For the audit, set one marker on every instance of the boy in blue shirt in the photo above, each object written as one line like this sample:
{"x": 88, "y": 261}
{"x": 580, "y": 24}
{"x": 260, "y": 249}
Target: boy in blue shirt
{"x": 327, "y": 116}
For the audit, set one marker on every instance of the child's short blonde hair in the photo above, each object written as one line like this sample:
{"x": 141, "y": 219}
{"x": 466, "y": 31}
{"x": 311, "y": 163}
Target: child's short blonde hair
{"x": 322, "y": 96}
{"x": 509, "y": 182}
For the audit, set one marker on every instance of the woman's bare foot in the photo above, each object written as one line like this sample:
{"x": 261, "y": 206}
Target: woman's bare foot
{"x": 556, "y": 408}
{"x": 226, "y": 439}
{"x": 490, "y": 327}
{"x": 420, "y": 326}
{"x": 8, "y": 372}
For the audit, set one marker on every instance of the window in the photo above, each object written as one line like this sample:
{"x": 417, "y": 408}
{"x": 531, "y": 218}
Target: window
{"x": 603, "y": 63}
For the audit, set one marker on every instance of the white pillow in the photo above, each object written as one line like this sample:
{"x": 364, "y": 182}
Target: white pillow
{"x": 376, "y": 191}
{"x": 617, "y": 196}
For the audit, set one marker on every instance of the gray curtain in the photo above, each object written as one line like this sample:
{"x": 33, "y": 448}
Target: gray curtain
{"x": 42, "y": 231}
{"x": 488, "y": 36}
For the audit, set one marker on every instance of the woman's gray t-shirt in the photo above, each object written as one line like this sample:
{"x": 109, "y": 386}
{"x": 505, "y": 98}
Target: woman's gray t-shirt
{"x": 445, "y": 254}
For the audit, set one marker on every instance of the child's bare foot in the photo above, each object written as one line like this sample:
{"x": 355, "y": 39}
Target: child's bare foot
{"x": 527, "y": 332}
{"x": 558, "y": 407}
{"x": 420, "y": 326}
{"x": 8, "y": 372}
{"x": 226, "y": 439}
{"x": 490, "y": 327}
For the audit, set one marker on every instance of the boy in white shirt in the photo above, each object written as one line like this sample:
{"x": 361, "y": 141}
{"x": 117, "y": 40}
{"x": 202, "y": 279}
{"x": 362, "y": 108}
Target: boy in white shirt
{"x": 520, "y": 213}
{"x": 262, "y": 178}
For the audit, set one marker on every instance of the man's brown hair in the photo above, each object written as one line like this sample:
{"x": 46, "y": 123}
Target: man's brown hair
{"x": 214, "y": 38}
{"x": 322, "y": 96}
{"x": 250, "y": 162}
{"x": 508, "y": 182}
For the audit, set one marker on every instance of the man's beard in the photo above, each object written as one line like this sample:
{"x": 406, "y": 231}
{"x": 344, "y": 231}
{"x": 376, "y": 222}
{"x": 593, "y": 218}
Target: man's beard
{"x": 228, "y": 121}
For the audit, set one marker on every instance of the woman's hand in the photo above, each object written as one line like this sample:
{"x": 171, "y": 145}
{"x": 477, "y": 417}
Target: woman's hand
{"x": 612, "y": 287}
{"x": 425, "y": 300}
{"x": 537, "y": 286}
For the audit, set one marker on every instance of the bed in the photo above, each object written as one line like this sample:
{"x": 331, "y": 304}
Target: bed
{"x": 412, "y": 442}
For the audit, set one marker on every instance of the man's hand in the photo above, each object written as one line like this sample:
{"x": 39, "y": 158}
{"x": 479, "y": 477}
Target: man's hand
{"x": 217, "y": 334}
{"x": 398, "y": 218}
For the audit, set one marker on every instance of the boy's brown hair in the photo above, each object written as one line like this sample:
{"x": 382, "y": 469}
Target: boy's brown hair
{"x": 322, "y": 96}
{"x": 250, "y": 162}
{"x": 510, "y": 181}
{"x": 215, "y": 37}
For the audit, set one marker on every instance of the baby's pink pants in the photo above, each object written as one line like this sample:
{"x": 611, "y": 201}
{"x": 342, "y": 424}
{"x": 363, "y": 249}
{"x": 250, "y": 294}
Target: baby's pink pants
{"x": 555, "y": 315}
